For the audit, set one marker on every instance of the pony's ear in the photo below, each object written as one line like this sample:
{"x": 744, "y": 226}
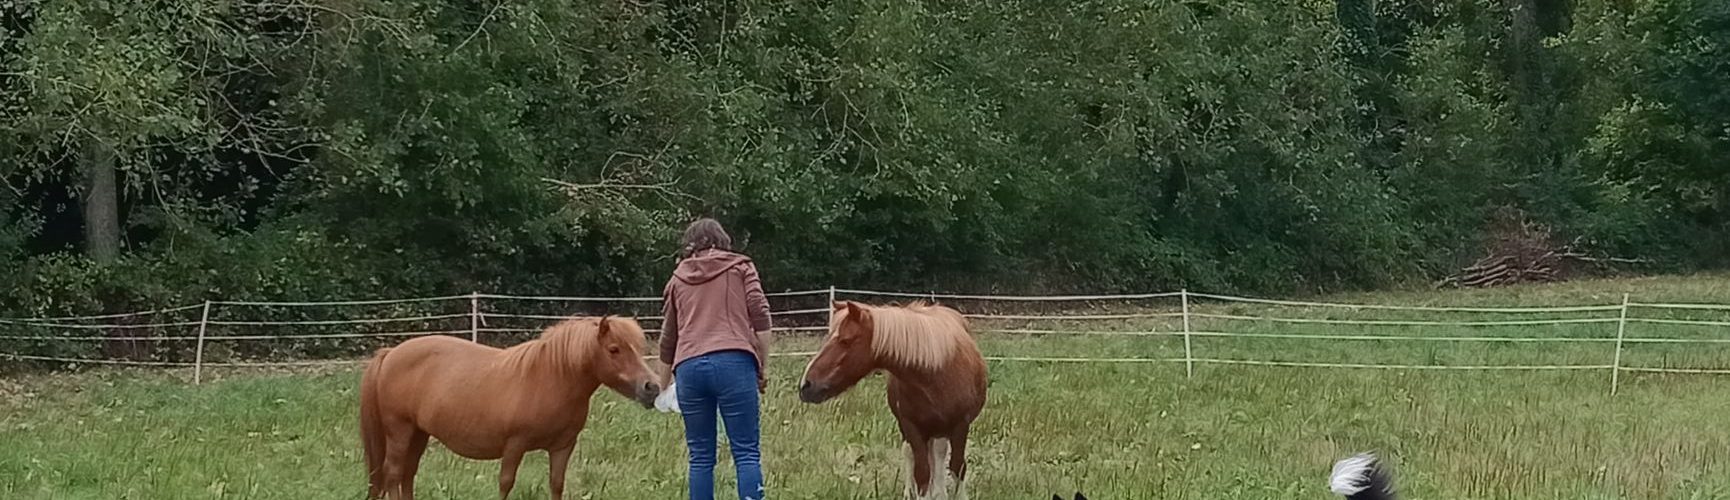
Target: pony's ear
{"x": 839, "y": 305}
{"x": 602, "y": 329}
{"x": 858, "y": 314}
{"x": 1079, "y": 496}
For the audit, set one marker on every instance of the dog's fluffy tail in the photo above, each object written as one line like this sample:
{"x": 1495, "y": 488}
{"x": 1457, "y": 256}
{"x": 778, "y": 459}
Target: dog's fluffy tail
{"x": 1362, "y": 477}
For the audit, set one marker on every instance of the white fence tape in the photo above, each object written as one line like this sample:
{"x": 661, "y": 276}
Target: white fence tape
{"x": 645, "y": 330}
{"x": 558, "y": 317}
{"x": 1676, "y": 370}
{"x": 1403, "y": 367}
{"x": 1296, "y": 364}
{"x": 1320, "y": 336}
{"x": 1076, "y": 317}
{"x": 1385, "y": 307}
{"x": 1006, "y": 298}
{"x": 333, "y": 322}
{"x": 1361, "y": 322}
{"x": 336, "y": 335}
{"x": 380, "y": 302}
{"x": 128, "y": 338}
{"x": 1039, "y": 331}
{"x": 104, "y": 316}
{"x": 556, "y": 298}
{"x": 1019, "y": 298}
{"x": 1658, "y": 321}
{"x": 1710, "y": 307}
{"x": 121, "y": 326}
{"x": 181, "y": 331}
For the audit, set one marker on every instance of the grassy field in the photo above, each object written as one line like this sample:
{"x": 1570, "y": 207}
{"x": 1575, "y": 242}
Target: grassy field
{"x": 1114, "y": 430}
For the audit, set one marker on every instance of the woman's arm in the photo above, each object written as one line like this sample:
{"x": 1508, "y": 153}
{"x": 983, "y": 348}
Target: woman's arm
{"x": 669, "y": 325}
{"x": 758, "y": 305}
{"x": 756, "y": 301}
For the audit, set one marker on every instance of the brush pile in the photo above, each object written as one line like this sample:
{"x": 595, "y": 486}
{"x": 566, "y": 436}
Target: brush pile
{"x": 1522, "y": 251}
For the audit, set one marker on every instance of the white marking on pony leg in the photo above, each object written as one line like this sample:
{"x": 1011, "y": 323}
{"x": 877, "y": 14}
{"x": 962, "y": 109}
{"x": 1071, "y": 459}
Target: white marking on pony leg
{"x": 909, "y": 490}
{"x": 960, "y": 483}
{"x": 939, "y": 469}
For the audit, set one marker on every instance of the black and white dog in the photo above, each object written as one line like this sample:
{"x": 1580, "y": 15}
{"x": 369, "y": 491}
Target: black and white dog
{"x": 1361, "y": 477}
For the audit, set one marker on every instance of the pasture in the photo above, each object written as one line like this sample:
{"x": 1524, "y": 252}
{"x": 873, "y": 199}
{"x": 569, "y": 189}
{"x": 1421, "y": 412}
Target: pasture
{"x": 1116, "y": 430}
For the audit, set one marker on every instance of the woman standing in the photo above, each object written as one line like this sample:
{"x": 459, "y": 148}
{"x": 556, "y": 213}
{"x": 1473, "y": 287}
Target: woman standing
{"x": 716, "y": 338}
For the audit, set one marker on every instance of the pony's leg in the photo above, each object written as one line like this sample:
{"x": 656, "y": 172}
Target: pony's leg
{"x": 397, "y": 443}
{"x": 508, "y": 465}
{"x": 411, "y": 463}
{"x": 908, "y": 491}
{"x": 921, "y": 467}
{"x": 557, "y": 461}
{"x": 939, "y": 481}
{"x": 958, "y": 463}
{"x": 379, "y": 485}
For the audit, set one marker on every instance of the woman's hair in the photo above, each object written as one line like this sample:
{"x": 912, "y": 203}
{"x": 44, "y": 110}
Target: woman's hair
{"x": 704, "y": 234}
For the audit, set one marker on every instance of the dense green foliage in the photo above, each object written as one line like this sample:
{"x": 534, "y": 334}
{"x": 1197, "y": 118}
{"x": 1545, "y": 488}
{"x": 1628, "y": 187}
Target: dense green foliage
{"x": 319, "y": 148}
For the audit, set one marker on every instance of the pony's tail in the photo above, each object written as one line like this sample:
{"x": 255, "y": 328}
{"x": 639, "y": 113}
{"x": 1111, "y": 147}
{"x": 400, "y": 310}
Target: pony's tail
{"x": 372, "y": 426}
{"x": 1362, "y": 477}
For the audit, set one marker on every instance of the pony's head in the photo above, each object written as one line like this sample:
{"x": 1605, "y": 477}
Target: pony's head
{"x": 846, "y": 357}
{"x": 617, "y": 360}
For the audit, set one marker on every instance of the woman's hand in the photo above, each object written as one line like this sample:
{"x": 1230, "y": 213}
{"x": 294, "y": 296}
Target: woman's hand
{"x": 764, "y": 338}
{"x": 663, "y": 372}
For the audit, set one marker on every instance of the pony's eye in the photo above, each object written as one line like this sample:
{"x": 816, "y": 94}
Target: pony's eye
{"x": 613, "y": 349}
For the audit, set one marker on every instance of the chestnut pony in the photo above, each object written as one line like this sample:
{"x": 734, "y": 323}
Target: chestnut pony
{"x": 486, "y": 403}
{"x": 936, "y": 379}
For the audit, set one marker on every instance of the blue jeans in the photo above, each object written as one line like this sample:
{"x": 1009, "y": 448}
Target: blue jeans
{"x": 726, "y": 383}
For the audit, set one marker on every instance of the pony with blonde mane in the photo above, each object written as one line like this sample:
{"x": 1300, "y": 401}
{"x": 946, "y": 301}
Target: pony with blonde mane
{"x": 936, "y": 384}
{"x": 486, "y": 403}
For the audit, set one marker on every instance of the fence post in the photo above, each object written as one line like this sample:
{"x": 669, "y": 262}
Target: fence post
{"x": 474, "y": 316}
{"x": 1621, "y": 331}
{"x": 1188, "y": 355}
{"x": 831, "y": 308}
{"x": 198, "y": 357}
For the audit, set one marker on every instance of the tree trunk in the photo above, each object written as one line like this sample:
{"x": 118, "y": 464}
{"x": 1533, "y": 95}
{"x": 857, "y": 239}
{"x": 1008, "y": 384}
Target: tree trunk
{"x": 101, "y": 204}
{"x": 1357, "y": 19}
{"x": 1525, "y": 40}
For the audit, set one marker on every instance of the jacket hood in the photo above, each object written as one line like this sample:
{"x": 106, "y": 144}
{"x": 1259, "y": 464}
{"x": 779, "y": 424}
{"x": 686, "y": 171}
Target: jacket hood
{"x": 707, "y": 265}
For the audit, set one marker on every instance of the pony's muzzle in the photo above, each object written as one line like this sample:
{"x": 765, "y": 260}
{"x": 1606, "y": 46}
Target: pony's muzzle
{"x": 812, "y": 393}
{"x": 647, "y": 393}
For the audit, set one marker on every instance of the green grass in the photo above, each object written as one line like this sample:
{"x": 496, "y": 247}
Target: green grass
{"x": 1116, "y": 431}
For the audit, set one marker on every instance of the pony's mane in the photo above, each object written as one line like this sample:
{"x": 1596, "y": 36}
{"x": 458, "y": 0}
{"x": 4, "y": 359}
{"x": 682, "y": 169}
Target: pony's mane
{"x": 918, "y": 335}
{"x": 568, "y": 340}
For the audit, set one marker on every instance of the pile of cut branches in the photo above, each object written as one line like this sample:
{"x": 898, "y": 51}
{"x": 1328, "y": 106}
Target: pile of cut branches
{"x": 1522, "y": 251}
